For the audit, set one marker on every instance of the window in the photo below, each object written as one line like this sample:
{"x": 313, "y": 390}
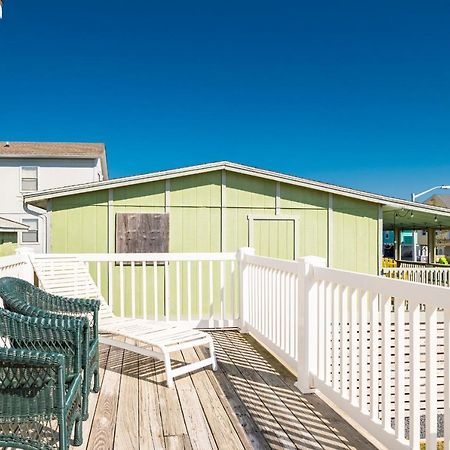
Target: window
{"x": 29, "y": 180}
{"x": 30, "y": 236}
{"x": 142, "y": 233}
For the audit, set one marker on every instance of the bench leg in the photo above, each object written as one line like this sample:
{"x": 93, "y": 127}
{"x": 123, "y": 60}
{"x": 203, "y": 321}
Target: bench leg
{"x": 212, "y": 353}
{"x": 168, "y": 367}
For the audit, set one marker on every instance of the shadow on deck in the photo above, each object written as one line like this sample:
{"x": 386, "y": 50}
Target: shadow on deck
{"x": 250, "y": 402}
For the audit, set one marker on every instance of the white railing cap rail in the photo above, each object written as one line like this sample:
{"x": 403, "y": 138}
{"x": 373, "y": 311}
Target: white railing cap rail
{"x": 273, "y": 263}
{"x": 12, "y": 260}
{"x": 426, "y": 294}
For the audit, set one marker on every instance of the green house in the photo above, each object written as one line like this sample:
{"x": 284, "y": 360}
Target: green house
{"x": 220, "y": 207}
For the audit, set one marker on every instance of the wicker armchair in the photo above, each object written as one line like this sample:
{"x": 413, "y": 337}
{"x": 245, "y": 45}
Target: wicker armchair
{"x": 40, "y": 381}
{"x": 22, "y": 297}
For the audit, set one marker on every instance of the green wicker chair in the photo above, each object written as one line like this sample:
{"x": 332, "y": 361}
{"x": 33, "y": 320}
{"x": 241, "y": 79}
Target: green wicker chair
{"x": 22, "y": 297}
{"x": 40, "y": 390}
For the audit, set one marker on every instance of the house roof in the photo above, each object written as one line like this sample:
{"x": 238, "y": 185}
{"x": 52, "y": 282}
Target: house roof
{"x": 55, "y": 150}
{"x": 440, "y": 200}
{"x": 39, "y": 198}
{"x": 11, "y": 225}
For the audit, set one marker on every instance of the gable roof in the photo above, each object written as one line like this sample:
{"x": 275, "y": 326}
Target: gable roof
{"x": 40, "y": 197}
{"x": 11, "y": 225}
{"x": 55, "y": 150}
{"x": 440, "y": 200}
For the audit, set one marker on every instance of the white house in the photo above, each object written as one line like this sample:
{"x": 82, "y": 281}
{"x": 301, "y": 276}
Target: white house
{"x": 30, "y": 166}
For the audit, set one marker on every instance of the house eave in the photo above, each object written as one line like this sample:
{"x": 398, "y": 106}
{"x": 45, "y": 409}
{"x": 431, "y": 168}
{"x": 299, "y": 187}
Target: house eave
{"x": 40, "y": 198}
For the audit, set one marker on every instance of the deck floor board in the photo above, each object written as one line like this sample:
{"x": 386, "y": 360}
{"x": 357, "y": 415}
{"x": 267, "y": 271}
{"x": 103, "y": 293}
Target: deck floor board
{"x": 249, "y": 403}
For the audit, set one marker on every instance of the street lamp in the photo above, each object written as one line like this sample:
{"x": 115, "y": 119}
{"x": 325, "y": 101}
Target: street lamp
{"x": 414, "y": 196}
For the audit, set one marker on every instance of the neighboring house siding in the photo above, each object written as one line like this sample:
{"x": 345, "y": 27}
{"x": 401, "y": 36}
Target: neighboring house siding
{"x": 8, "y": 243}
{"x": 80, "y": 222}
{"x": 50, "y": 173}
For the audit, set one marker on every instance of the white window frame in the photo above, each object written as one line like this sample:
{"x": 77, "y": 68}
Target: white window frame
{"x": 36, "y": 230}
{"x": 252, "y": 217}
{"x": 22, "y": 177}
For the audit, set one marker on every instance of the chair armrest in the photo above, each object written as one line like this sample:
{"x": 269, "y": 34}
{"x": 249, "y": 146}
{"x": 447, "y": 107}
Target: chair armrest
{"x": 77, "y": 307}
{"x": 31, "y": 371}
{"x": 63, "y": 335}
{"x": 31, "y": 358}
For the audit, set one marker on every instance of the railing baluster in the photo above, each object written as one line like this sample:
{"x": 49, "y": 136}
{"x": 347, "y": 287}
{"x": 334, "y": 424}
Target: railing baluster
{"x": 374, "y": 358}
{"x": 363, "y": 358}
{"x": 343, "y": 385}
{"x": 222, "y": 294}
{"x": 400, "y": 369}
{"x": 144, "y": 289}
{"x": 189, "y": 292}
{"x": 200, "y": 291}
{"x": 336, "y": 338}
{"x": 211, "y": 294}
{"x": 328, "y": 333}
{"x": 166, "y": 291}
{"x": 133, "y": 289}
{"x": 431, "y": 376}
{"x": 354, "y": 320}
{"x": 233, "y": 289}
{"x": 155, "y": 289}
{"x": 110, "y": 285}
{"x": 386, "y": 362}
{"x": 178, "y": 289}
{"x": 446, "y": 412}
{"x": 122, "y": 290}
{"x": 414, "y": 374}
{"x": 99, "y": 276}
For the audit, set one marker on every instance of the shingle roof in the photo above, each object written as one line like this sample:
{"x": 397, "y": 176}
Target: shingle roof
{"x": 50, "y": 150}
{"x": 11, "y": 225}
{"x": 57, "y": 150}
{"x": 441, "y": 200}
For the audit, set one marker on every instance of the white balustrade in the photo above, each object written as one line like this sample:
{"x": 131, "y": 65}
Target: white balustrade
{"x": 200, "y": 289}
{"x": 437, "y": 276}
{"x": 378, "y": 348}
{"x": 18, "y": 266}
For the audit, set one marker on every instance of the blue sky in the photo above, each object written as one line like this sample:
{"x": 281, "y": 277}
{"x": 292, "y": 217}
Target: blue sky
{"x": 354, "y": 93}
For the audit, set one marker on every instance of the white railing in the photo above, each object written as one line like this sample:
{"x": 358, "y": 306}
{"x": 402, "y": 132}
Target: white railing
{"x": 271, "y": 302}
{"x": 437, "y": 276}
{"x": 378, "y": 348}
{"x": 201, "y": 289}
{"x": 16, "y": 266}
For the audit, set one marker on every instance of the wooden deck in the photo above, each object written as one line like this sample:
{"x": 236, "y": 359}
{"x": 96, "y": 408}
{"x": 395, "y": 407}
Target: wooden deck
{"x": 250, "y": 402}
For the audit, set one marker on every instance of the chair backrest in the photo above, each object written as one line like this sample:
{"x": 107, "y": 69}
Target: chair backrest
{"x": 67, "y": 276}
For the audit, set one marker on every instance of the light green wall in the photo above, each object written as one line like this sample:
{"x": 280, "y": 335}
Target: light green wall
{"x": 8, "y": 243}
{"x": 79, "y": 223}
{"x": 197, "y": 203}
{"x": 355, "y": 235}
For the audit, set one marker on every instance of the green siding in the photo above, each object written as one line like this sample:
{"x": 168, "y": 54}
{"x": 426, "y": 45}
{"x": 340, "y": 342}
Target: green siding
{"x": 274, "y": 238}
{"x": 355, "y": 235}
{"x": 8, "y": 243}
{"x": 79, "y": 224}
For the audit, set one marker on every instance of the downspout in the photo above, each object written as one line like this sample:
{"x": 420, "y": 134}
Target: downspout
{"x": 43, "y": 214}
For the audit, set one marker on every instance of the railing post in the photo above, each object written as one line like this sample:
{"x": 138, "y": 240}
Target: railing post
{"x": 243, "y": 286}
{"x": 307, "y": 322}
